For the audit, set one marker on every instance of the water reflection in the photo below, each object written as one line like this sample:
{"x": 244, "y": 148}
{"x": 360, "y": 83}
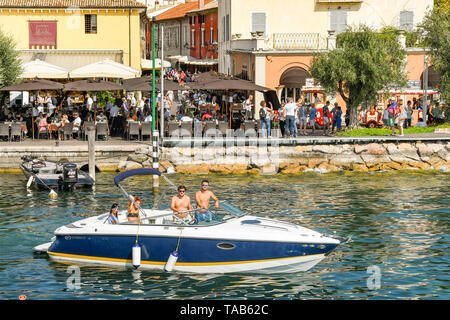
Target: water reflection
{"x": 397, "y": 224}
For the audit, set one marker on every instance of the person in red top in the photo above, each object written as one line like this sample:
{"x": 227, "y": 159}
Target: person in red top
{"x": 207, "y": 115}
{"x": 43, "y": 125}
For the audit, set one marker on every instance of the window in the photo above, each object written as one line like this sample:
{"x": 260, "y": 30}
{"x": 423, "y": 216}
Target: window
{"x": 259, "y": 22}
{"x": 211, "y": 35}
{"x": 90, "y": 23}
{"x": 338, "y": 21}
{"x": 223, "y": 26}
{"x": 406, "y": 20}
{"x": 227, "y": 27}
{"x": 192, "y": 38}
{"x": 185, "y": 35}
{"x": 203, "y": 37}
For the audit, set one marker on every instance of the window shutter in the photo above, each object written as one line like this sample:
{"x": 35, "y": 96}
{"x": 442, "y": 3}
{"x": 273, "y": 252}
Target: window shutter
{"x": 223, "y": 26}
{"x": 406, "y": 20}
{"x": 227, "y": 28}
{"x": 338, "y": 21}
{"x": 259, "y": 22}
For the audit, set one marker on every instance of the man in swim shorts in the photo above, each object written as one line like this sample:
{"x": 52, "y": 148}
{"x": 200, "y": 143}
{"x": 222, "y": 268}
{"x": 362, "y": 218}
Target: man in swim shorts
{"x": 202, "y": 197}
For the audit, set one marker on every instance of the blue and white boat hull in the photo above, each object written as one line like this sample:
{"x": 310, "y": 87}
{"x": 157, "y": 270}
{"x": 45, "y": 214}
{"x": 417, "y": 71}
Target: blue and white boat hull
{"x": 244, "y": 244}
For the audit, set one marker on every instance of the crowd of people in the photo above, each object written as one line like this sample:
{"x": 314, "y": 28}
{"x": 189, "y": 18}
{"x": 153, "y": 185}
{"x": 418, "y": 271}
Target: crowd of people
{"x": 50, "y": 113}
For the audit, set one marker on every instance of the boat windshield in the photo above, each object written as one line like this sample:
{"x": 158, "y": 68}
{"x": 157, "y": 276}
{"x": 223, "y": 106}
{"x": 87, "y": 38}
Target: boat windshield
{"x": 211, "y": 216}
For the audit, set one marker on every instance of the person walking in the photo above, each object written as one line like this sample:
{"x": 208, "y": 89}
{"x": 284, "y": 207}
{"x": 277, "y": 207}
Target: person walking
{"x": 302, "y": 116}
{"x": 265, "y": 113}
{"x": 392, "y": 114}
{"x": 402, "y": 115}
{"x": 338, "y": 119}
{"x": 408, "y": 115}
{"x": 312, "y": 117}
{"x": 326, "y": 118}
{"x": 334, "y": 115}
{"x": 289, "y": 112}
{"x": 282, "y": 119}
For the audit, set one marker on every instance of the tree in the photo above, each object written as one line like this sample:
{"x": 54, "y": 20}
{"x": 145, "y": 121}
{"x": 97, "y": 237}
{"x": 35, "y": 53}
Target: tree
{"x": 363, "y": 63}
{"x": 10, "y": 63}
{"x": 436, "y": 36}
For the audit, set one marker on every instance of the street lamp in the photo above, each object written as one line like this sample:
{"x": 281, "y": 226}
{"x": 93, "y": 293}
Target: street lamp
{"x": 425, "y": 88}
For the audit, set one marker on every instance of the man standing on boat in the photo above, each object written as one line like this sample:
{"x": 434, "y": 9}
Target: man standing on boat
{"x": 181, "y": 204}
{"x": 202, "y": 198}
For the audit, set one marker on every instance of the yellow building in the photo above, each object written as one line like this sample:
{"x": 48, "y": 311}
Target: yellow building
{"x": 74, "y": 33}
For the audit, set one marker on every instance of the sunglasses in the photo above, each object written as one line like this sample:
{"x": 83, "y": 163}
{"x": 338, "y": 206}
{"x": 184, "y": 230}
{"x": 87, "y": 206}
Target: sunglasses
{"x": 205, "y": 185}
{"x": 181, "y": 191}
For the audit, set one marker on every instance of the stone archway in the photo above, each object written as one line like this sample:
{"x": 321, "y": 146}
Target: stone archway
{"x": 433, "y": 78}
{"x": 293, "y": 79}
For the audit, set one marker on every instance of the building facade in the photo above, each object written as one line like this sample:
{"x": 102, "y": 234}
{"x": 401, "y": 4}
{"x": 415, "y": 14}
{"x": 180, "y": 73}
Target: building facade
{"x": 176, "y": 25}
{"x": 71, "y": 34}
{"x": 274, "y": 44}
{"x": 204, "y": 31}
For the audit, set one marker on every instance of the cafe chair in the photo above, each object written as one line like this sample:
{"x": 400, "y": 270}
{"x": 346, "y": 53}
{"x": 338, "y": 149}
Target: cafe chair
{"x": 16, "y": 131}
{"x": 102, "y": 130}
{"x": 4, "y": 130}
{"x": 146, "y": 130}
{"x": 68, "y": 130}
{"x": 133, "y": 130}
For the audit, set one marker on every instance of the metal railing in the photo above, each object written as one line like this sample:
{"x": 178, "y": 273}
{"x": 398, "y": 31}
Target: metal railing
{"x": 286, "y": 41}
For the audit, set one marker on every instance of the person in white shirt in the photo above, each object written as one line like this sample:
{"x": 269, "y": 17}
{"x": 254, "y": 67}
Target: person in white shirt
{"x": 142, "y": 104}
{"x": 186, "y": 118}
{"x": 289, "y": 113}
{"x": 51, "y": 108}
{"x": 148, "y": 117}
{"x": 170, "y": 97}
{"x": 76, "y": 122}
{"x": 133, "y": 101}
{"x": 89, "y": 102}
{"x": 248, "y": 106}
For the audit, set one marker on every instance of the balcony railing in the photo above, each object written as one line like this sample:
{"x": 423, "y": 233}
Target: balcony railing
{"x": 289, "y": 41}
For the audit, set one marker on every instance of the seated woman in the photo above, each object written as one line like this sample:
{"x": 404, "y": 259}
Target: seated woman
{"x": 133, "y": 210}
{"x": 61, "y": 125}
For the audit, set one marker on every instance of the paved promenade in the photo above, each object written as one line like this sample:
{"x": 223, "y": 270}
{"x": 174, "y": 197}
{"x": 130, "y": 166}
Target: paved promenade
{"x": 119, "y": 144}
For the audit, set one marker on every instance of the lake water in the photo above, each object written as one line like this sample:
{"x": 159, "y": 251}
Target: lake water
{"x": 399, "y": 222}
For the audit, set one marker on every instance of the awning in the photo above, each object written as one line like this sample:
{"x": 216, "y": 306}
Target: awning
{"x": 33, "y": 85}
{"x": 43, "y": 70}
{"x": 92, "y": 85}
{"x": 148, "y": 64}
{"x": 204, "y": 62}
{"x": 105, "y": 69}
{"x": 198, "y": 62}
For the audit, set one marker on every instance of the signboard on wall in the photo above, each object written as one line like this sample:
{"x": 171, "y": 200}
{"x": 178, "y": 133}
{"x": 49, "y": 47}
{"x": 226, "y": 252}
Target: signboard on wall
{"x": 42, "y": 34}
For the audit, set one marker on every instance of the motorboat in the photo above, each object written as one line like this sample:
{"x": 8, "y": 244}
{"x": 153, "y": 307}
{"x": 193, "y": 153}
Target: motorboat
{"x": 45, "y": 174}
{"x": 229, "y": 241}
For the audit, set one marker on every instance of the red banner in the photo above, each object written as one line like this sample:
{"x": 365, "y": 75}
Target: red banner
{"x": 42, "y": 34}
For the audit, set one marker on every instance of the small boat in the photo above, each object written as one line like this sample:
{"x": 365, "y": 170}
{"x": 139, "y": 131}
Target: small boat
{"x": 230, "y": 241}
{"x": 45, "y": 174}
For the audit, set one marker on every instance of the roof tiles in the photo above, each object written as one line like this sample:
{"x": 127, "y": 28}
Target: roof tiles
{"x": 179, "y": 11}
{"x": 70, "y": 4}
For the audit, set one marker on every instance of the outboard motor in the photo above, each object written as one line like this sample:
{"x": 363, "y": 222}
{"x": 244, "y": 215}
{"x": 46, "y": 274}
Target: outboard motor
{"x": 70, "y": 175}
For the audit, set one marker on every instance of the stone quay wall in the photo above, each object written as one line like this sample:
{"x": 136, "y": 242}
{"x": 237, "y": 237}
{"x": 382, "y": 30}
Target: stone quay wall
{"x": 300, "y": 158}
{"x": 259, "y": 157}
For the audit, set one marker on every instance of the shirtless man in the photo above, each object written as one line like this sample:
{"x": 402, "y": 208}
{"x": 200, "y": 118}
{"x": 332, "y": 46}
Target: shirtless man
{"x": 181, "y": 203}
{"x": 202, "y": 198}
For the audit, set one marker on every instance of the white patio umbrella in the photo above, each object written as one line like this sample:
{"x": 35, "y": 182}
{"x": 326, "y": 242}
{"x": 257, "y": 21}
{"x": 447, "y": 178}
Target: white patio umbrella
{"x": 105, "y": 69}
{"x": 147, "y": 64}
{"x": 43, "y": 70}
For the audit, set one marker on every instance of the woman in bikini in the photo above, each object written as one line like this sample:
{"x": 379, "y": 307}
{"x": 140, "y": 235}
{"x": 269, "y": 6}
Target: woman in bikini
{"x": 133, "y": 210}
